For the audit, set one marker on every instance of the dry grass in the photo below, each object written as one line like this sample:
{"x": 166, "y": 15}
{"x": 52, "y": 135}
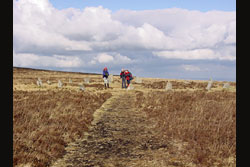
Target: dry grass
{"x": 188, "y": 85}
{"x": 200, "y": 124}
{"x": 44, "y": 122}
{"x": 203, "y": 122}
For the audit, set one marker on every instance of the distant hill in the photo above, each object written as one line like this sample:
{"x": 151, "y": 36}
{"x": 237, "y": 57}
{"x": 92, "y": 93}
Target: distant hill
{"x": 36, "y": 69}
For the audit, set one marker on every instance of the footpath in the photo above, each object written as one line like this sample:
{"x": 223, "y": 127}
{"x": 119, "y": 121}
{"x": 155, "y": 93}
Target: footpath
{"x": 119, "y": 136}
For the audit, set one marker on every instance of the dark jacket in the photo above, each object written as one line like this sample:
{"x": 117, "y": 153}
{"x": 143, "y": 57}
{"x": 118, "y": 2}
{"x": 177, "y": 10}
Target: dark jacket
{"x": 105, "y": 74}
{"x": 122, "y": 75}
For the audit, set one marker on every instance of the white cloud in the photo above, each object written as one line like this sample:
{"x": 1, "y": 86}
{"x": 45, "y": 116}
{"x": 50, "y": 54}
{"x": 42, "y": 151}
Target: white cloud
{"x": 197, "y": 54}
{"x": 34, "y": 26}
{"x": 184, "y": 29}
{"x": 191, "y": 68}
{"x": 32, "y": 60}
{"x": 102, "y": 58}
{"x": 188, "y": 55}
{"x": 119, "y": 59}
{"x": 38, "y": 24}
{"x": 114, "y": 58}
{"x": 41, "y": 32}
{"x": 231, "y": 37}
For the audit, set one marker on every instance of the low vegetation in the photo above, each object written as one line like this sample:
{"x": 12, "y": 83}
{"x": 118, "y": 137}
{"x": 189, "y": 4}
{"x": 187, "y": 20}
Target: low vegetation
{"x": 196, "y": 125}
{"x": 203, "y": 122}
{"x": 44, "y": 122}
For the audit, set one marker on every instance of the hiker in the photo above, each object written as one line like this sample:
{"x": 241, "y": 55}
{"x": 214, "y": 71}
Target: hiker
{"x": 105, "y": 75}
{"x": 128, "y": 76}
{"x": 122, "y": 76}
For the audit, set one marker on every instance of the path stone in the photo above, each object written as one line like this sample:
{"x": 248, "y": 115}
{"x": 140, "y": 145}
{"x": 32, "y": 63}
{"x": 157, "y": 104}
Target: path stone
{"x": 138, "y": 80}
{"x": 82, "y": 88}
{"x": 60, "y": 84}
{"x": 49, "y": 83}
{"x": 39, "y": 82}
{"x": 87, "y": 80}
{"x": 226, "y": 86}
{"x": 169, "y": 86}
{"x": 209, "y": 85}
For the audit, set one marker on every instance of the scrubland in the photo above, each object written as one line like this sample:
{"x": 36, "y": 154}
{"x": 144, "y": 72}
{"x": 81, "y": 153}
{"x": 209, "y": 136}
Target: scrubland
{"x": 202, "y": 123}
{"x": 44, "y": 122}
{"x": 197, "y": 125}
{"x": 46, "y": 119}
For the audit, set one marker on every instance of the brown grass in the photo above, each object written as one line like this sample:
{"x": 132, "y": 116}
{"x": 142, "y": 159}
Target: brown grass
{"x": 186, "y": 84}
{"x": 44, "y": 122}
{"x": 200, "y": 124}
{"x": 203, "y": 122}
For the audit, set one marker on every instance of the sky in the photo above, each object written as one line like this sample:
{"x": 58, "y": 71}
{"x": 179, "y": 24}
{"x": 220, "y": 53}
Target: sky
{"x": 114, "y": 5}
{"x": 175, "y": 39}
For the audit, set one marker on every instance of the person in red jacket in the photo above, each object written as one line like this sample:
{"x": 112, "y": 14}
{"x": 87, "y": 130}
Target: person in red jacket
{"x": 128, "y": 76}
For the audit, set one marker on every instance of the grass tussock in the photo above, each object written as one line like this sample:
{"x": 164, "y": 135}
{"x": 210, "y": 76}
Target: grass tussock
{"x": 204, "y": 122}
{"x": 44, "y": 122}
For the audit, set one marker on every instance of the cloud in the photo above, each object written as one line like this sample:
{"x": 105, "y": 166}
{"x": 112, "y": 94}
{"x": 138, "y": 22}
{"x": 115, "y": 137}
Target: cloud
{"x": 119, "y": 59}
{"x": 191, "y": 68}
{"x": 184, "y": 29}
{"x": 32, "y": 60}
{"x": 113, "y": 58}
{"x": 35, "y": 25}
{"x": 38, "y": 24}
{"x": 102, "y": 58}
{"x": 96, "y": 35}
{"x": 197, "y": 54}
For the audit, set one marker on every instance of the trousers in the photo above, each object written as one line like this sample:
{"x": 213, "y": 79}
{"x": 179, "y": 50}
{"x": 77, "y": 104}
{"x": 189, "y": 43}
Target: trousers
{"x": 124, "y": 83}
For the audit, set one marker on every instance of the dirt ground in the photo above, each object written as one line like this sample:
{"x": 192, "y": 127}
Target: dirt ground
{"x": 121, "y": 134}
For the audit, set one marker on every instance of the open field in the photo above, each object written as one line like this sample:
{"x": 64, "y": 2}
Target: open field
{"x": 144, "y": 127}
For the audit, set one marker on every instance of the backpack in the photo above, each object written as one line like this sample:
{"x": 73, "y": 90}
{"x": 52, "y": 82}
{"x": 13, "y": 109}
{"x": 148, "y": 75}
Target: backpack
{"x": 106, "y": 74}
{"x": 130, "y": 76}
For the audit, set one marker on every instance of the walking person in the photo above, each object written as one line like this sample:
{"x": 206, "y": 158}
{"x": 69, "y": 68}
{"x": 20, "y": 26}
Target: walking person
{"x": 128, "y": 76}
{"x": 105, "y": 75}
{"x": 122, "y": 76}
